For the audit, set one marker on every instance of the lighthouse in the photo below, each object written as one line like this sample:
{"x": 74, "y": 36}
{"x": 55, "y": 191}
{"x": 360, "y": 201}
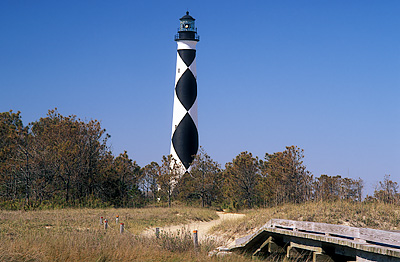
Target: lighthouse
{"x": 185, "y": 136}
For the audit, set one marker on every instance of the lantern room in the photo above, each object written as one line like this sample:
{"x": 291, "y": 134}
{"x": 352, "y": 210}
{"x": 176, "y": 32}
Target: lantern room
{"x": 187, "y": 29}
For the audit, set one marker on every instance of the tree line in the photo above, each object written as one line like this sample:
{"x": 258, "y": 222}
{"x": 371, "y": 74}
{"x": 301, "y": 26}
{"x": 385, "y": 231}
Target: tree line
{"x": 65, "y": 161}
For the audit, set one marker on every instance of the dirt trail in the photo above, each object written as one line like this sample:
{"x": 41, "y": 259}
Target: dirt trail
{"x": 201, "y": 227}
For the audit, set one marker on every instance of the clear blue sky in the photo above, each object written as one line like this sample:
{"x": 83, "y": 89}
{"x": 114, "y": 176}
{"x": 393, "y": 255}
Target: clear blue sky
{"x": 322, "y": 75}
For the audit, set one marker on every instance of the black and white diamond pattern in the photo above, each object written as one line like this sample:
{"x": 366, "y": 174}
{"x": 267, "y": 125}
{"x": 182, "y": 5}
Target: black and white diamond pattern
{"x": 185, "y": 138}
{"x": 186, "y": 89}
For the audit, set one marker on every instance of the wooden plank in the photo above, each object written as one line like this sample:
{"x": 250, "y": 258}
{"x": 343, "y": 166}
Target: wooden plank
{"x": 392, "y": 252}
{"x": 383, "y": 244}
{"x": 338, "y": 230}
{"x": 306, "y": 247}
{"x": 360, "y": 234}
{"x": 292, "y": 253}
{"x": 380, "y": 236}
{"x": 260, "y": 249}
{"x": 282, "y": 223}
{"x": 322, "y": 228}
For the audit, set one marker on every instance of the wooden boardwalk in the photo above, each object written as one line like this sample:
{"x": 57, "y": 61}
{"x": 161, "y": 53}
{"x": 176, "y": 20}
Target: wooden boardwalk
{"x": 320, "y": 241}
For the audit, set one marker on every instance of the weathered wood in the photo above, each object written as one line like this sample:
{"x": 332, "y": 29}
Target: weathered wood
{"x": 320, "y": 257}
{"x": 263, "y": 247}
{"x": 341, "y": 242}
{"x": 268, "y": 247}
{"x": 313, "y": 227}
{"x": 195, "y": 239}
{"x": 380, "y": 236}
{"x": 306, "y": 247}
{"x": 360, "y": 234}
{"x": 274, "y": 248}
{"x": 369, "y": 257}
{"x": 293, "y": 253}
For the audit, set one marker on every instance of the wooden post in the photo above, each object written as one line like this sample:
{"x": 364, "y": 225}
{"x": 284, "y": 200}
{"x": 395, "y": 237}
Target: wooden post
{"x": 121, "y": 228}
{"x": 157, "y": 232}
{"x": 117, "y": 219}
{"x": 292, "y": 252}
{"x": 195, "y": 239}
{"x": 105, "y": 224}
{"x": 101, "y": 220}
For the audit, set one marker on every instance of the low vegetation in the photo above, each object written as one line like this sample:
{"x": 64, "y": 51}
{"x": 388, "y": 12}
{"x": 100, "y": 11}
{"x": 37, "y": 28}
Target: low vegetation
{"x": 372, "y": 215}
{"x": 76, "y": 234}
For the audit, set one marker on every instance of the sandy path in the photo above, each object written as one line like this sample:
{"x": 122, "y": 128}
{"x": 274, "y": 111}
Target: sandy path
{"x": 201, "y": 227}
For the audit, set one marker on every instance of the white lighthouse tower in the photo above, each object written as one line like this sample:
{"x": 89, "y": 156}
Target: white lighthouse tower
{"x": 185, "y": 137}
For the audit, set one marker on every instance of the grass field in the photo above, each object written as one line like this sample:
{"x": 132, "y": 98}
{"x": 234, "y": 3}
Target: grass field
{"x": 76, "y": 234}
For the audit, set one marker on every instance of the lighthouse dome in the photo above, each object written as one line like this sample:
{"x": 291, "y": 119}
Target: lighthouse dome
{"x": 187, "y": 17}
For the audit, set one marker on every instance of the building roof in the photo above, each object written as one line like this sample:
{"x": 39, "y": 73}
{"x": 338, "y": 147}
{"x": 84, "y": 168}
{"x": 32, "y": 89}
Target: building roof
{"x": 187, "y": 17}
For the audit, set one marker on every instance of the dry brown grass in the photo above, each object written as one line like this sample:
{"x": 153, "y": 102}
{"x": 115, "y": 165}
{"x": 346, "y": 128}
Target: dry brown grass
{"x": 371, "y": 215}
{"x": 76, "y": 235}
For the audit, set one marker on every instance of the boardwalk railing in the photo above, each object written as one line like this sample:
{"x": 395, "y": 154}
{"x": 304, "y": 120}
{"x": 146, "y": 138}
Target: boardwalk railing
{"x": 322, "y": 242}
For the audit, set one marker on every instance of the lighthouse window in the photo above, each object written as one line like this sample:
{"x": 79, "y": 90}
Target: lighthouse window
{"x": 179, "y": 70}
